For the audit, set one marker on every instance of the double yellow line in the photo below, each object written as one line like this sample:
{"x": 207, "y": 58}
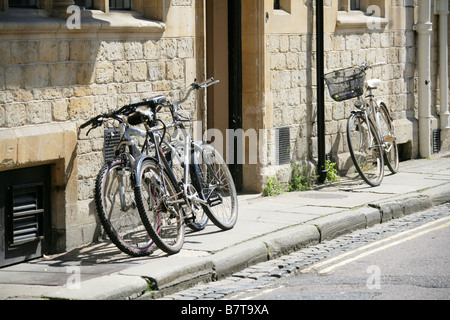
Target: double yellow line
{"x": 366, "y": 250}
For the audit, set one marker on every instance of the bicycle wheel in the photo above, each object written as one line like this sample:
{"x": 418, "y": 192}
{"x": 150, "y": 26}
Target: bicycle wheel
{"x": 365, "y": 149}
{"x": 117, "y": 211}
{"x": 217, "y": 188}
{"x": 196, "y": 218}
{"x": 163, "y": 219}
{"x": 388, "y": 140}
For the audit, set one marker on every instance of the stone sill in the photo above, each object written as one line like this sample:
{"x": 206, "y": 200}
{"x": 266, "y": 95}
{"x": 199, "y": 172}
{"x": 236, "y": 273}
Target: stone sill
{"x": 39, "y": 21}
{"x": 357, "y": 20}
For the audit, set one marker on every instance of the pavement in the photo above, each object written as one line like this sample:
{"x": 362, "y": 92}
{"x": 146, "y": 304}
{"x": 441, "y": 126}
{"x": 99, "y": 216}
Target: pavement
{"x": 267, "y": 228}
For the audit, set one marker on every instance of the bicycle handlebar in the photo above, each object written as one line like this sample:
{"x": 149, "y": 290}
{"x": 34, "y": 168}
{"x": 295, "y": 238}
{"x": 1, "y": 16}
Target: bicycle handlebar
{"x": 125, "y": 110}
{"x": 198, "y": 86}
{"x": 131, "y": 108}
{"x": 365, "y": 66}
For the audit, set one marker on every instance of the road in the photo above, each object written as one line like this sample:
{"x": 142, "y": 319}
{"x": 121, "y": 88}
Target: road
{"x": 403, "y": 259}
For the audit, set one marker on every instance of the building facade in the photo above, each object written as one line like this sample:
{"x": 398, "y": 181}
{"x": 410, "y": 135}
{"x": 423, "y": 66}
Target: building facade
{"x": 60, "y": 67}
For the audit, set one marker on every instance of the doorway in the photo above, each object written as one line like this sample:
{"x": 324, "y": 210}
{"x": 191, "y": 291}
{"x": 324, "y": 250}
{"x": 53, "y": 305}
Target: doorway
{"x": 224, "y": 62}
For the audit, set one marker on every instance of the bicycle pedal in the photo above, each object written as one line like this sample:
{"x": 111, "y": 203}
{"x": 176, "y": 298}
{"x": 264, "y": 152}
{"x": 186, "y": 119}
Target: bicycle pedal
{"x": 215, "y": 200}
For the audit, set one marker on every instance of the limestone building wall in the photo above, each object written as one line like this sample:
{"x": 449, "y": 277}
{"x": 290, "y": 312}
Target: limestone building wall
{"x": 52, "y": 79}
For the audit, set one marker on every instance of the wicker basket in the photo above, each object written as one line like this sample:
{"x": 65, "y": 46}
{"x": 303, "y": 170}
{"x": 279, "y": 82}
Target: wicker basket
{"x": 346, "y": 83}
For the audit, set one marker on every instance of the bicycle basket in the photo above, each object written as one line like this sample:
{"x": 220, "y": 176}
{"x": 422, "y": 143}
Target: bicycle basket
{"x": 346, "y": 83}
{"x": 111, "y": 141}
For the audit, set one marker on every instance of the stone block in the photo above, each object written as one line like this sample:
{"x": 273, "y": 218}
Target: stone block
{"x": 138, "y": 71}
{"x": 8, "y": 148}
{"x": 14, "y": 77}
{"x": 48, "y": 51}
{"x": 104, "y": 72}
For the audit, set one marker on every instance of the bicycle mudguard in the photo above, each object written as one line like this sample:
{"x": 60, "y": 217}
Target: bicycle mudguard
{"x": 138, "y": 168}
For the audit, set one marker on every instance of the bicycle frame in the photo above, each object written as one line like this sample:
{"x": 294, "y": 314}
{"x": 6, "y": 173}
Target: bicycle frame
{"x": 185, "y": 159}
{"x": 369, "y": 103}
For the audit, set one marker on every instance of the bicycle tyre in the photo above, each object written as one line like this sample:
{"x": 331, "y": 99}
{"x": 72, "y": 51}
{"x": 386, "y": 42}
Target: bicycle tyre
{"x": 366, "y": 153}
{"x": 163, "y": 221}
{"x": 217, "y": 187}
{"x": 123, "y": 226}
{"x": 391, "y": 158}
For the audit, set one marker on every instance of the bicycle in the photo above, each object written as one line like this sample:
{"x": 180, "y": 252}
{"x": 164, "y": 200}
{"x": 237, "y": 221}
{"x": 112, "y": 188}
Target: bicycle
{"x": 114, "y": 192}
{"x": 370, "y": 130}
{"x": 114, "y": 188}
{"x": 206, "y": 182}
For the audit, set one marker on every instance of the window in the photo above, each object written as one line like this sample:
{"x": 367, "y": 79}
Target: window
{"x": 355, "y": 5}
{"x": 284, "y": 5}
{"x": 22, "y": 3}
{"x": 84, "y": 4}
{"x": 120, "y": 4}
{"x": 356, "y": 14}
{"x": 276, "y": 4}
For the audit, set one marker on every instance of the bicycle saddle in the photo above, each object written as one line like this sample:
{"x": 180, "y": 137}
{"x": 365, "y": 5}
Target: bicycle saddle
{"x": 156, "y": 100}
{"x": 373, "y": 83}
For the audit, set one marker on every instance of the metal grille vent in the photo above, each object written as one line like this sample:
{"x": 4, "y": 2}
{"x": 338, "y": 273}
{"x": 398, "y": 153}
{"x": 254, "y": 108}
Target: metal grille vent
{"x": 283, "y": 138}
{"x": 112, "y": 139}
{"x": 27, "y": 214}
{"x": 436, "y": 141}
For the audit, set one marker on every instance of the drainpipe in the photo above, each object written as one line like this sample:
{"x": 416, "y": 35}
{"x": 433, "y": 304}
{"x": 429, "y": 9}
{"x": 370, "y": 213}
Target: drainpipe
{"x": 441, "y": 8}
{"x": 321, "y": 165}
{"x": 424, "y": 27}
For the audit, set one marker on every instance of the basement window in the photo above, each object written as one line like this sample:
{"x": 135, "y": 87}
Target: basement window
{"x": 24, "y": 214}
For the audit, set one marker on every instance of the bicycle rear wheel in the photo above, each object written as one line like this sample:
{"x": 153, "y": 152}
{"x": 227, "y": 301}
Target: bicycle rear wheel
{"x": 389, "y": 142}
{"x": 117, "y": 211}
{"x": 217, "y": 187}
{"x": 163, "y": 219}
{"x": 365, "y": 149}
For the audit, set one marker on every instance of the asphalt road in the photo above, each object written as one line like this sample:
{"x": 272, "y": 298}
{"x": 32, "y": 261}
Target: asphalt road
{"x": 402, "y": 259}
{"x": 406, "y": 265}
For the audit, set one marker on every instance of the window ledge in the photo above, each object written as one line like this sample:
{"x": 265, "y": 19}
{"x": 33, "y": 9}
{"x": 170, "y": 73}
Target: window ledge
{"x": 281, "y": 12}
{"x": 358, "y": 19}
{"x": 36, "y": 21}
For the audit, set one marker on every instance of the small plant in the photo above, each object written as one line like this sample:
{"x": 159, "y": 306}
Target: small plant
{"x": 332, "y": 173}
{"x": 273, "y": 187}
{"x": 301, "y": 179}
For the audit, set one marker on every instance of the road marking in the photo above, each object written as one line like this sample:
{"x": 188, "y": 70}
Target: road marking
{"x": 261, "y": 293}
{"x": 377, "y": 243}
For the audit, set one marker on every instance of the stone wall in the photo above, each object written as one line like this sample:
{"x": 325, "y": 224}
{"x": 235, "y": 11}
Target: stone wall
{"x": 292, "y": 78}
{"x": 53, "y": 79}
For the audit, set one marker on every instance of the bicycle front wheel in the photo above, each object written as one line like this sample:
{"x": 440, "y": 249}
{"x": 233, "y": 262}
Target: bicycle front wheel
{"x": 389, "y": 141}
{"x": 365, "y": 149}
{"x": 117, "y": 211}
{"x": 195, "y": 216}
{"x": 157, "y": 203}
{"x": 217, "y": 187}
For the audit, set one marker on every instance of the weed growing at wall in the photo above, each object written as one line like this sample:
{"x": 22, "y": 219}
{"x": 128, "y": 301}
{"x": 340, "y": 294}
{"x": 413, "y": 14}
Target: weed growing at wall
{"x": 303, "y": 178}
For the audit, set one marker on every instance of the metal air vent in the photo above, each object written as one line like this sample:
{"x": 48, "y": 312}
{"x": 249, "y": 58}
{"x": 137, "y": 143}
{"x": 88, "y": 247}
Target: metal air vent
{"x": 436, "y": 141}
{"x": 27, "y": 214}
{"x": 283, "y": 145}
{"x": 112, "y": 139}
